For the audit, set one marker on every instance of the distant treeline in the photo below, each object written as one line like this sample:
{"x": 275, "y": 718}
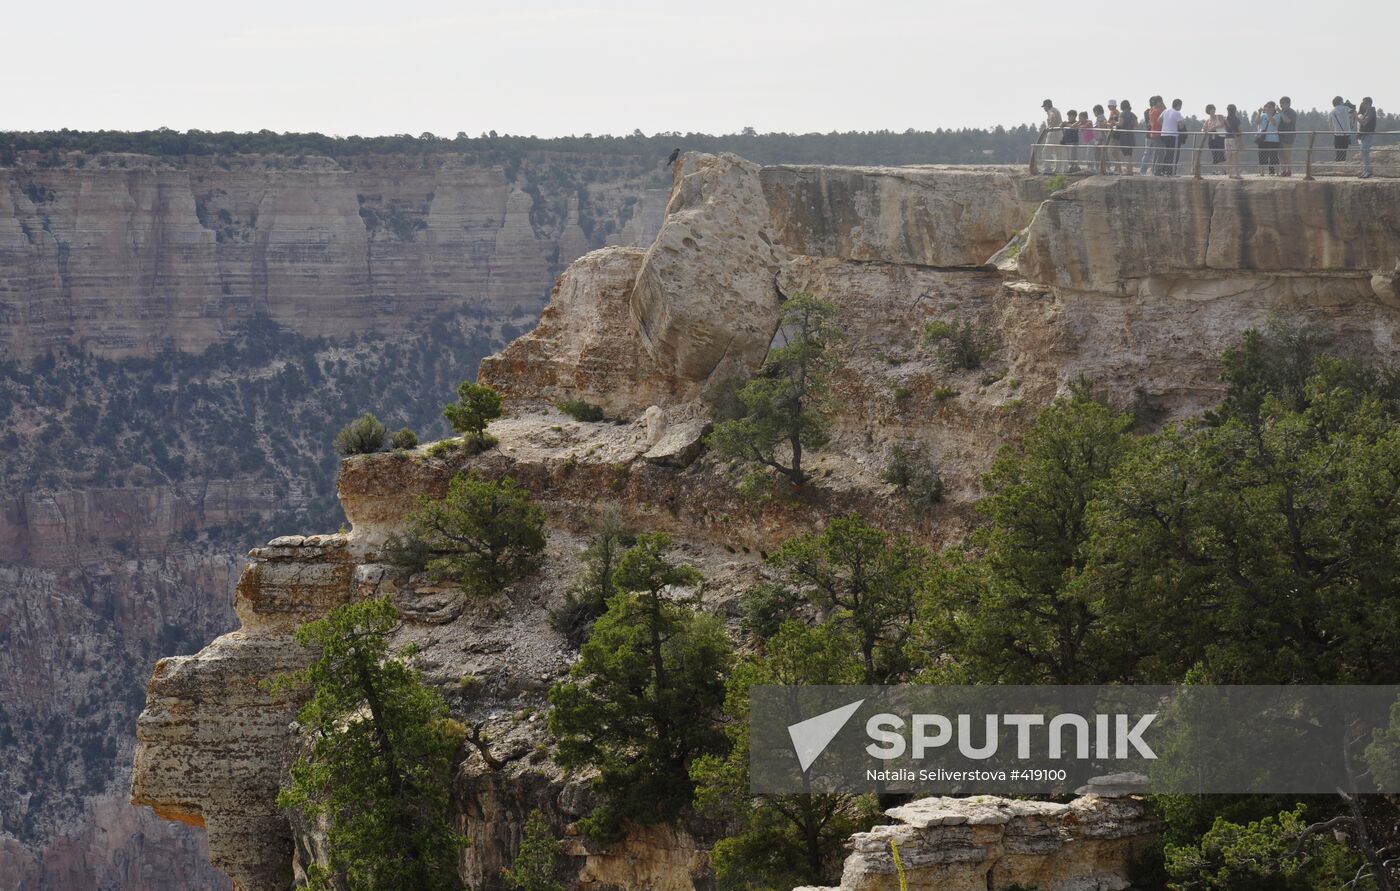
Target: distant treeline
{"x": 1000, "y": 145}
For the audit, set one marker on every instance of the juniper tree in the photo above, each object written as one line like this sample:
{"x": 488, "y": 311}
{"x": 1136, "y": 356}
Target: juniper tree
{"x": 780, "y": 841}
{"x": 642, "y": 701}
{"x": 362, "y": 436}
{"x": 377, "y": 763}
{"x": 786, "y": 401}
{"x": 477, "y": 405}
{"x": 484, "y": 533}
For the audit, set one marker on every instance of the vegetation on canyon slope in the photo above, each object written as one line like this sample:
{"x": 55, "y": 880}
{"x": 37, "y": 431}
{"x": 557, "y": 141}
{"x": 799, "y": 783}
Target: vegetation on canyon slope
{"x": 1102, "y": 556}
{"x": 378, "y": 760}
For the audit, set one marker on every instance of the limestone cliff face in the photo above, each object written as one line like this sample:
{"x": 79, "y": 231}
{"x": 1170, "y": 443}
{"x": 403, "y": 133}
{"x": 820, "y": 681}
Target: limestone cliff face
{"x": 647, "y": 334}
{"x": 126, "y": 254}
{"x": 1318, "y": 243}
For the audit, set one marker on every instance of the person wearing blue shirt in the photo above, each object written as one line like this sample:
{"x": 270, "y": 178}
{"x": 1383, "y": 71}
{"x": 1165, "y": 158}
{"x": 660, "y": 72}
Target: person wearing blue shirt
{"x": 1268, "y": 139}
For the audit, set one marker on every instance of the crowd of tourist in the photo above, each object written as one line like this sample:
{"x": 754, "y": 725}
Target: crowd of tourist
{"x": 1114, "y": 132}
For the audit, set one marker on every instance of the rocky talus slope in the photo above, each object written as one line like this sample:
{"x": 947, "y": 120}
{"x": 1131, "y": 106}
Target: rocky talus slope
{"x": 655, "y": 336}
{"x": 181, "y": 339}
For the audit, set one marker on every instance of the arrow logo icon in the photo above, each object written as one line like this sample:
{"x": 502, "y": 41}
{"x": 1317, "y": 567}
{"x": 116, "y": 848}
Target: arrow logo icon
{"x": 811, "y": 737}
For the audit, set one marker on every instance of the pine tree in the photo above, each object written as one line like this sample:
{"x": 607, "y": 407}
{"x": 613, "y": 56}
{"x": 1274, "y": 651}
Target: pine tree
{"x": 378, "y": 762}
{"x": 785, "y": 403}
{"x": 642, "y": 701}
{"x": 538, "y": 859}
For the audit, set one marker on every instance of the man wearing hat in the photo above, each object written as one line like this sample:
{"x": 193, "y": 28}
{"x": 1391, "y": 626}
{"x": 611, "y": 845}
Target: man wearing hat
{"x": 1053, "y": 122}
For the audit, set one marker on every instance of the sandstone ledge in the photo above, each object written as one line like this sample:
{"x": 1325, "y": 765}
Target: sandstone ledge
{"x": 985, "y": 843}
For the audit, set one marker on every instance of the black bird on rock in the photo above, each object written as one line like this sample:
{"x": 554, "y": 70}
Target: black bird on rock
{"x": 674, "y": 155}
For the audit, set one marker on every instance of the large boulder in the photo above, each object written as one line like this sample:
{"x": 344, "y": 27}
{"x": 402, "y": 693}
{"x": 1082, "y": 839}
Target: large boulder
{"x": 705, "y": 303}
{"x": 986, "y": 843}
{"x": 585, "y": 346}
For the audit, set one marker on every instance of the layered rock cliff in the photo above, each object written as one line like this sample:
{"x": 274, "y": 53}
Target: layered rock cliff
{"x": 181, "y": 339}
{"x": 122, "y": 255}
{"x": 653, "y": 336}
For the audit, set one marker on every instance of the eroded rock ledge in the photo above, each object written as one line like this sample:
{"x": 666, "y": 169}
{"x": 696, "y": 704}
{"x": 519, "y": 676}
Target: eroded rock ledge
{"x": 986, "y": 843}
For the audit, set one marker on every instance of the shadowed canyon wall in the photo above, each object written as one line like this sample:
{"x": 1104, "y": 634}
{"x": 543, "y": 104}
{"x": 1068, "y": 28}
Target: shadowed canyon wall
{"x": 180, "y": 338}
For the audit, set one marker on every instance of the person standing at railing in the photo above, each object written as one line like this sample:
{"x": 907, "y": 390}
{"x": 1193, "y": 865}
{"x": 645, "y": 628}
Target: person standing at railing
{"x": 1267, "y": 138}
{"x": 1169, "y": 125}
{"x": 1088, "y": 140}
{"x": 1339, "y": 122}
{"x": 1152, "y": 120}
{"x": 1125, "y": 135}
{"x": 1069, "y": 140}
{"x": 1366, "y": 131}
{"x": 1053, "y": 122}
{"x": 1287, "y": 132}
{"x": 1180, "y": 138}
{"x": 1232, "y": 140}
{"x": 1101, "y": 133}
{"x": 1214, "y": 130}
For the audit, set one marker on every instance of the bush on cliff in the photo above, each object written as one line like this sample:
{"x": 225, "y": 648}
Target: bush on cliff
{"x": 785, "y": 403}
{"x": 580, "y": 410}
{"x": 641, "y": 703}
{"x": 483, "y": 533}
{"x": 378, "y": 765}
{"x": 960, "y": 345}
{"x": 477, "y": 405}
{"x": 362, "y": 436}
{"x": 588, "y": 598}
{"x": 404, "y": 439}
{"x": 864, "y": 580}
{"x": 780, "y": 841}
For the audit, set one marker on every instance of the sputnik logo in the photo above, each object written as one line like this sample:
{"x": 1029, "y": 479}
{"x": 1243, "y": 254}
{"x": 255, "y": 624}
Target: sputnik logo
{"x": 811, "y": 737}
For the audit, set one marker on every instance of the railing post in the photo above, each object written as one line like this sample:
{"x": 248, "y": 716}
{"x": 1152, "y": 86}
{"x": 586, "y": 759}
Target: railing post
{"x": 1307, "y": 170}
{"x": 1196, "y": 164}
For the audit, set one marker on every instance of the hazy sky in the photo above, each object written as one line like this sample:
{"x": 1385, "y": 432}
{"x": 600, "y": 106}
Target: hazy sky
{"x": 556, "y": 68}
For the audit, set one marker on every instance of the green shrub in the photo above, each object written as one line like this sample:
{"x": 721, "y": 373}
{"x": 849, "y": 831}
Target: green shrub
{"x": 580, "y": 410}
{"x": 477, "y": 405}
{"x": 483, "y": 533}
{"x": 362, "y": 436}
{"x": 961, "y": 345}
{"x": 916, "y": 477}
{"x": 404, "y": 439}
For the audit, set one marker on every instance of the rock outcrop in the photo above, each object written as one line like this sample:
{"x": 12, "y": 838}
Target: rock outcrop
{"x": 947, "y": 217}
{"x": 705, "y": 303}
{"x": 1297, "y": 242}
{"x": 704, "y": 299}
{"x": 992, "y": 844}
{"x": 646, "y": 335}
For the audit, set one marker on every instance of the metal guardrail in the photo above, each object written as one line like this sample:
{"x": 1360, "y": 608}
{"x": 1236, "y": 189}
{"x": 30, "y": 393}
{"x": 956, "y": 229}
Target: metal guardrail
{"x": 1106, "y": 155}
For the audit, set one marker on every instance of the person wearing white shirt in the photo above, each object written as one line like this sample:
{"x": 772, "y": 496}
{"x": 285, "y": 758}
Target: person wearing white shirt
{"x": 1340, "y": 122}
{"x": 1171, "y": 127}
